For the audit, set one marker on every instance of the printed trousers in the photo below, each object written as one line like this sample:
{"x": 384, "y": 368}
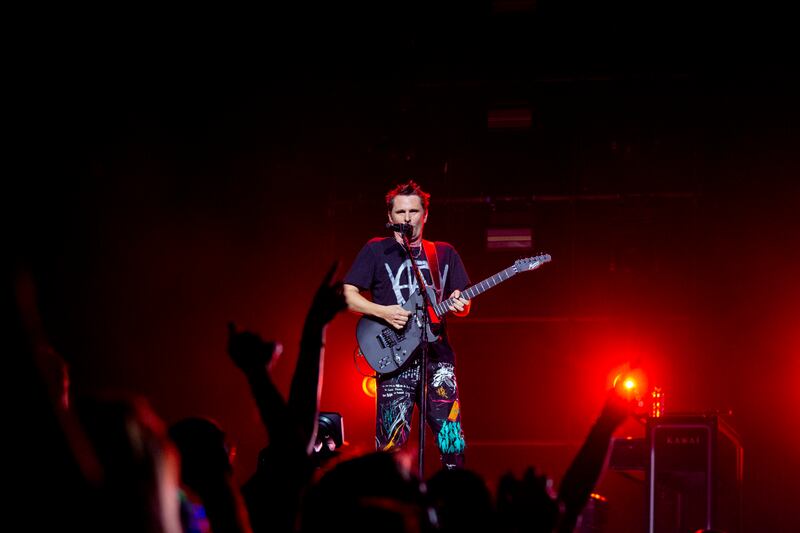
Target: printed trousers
{"x": 398, "y": 393}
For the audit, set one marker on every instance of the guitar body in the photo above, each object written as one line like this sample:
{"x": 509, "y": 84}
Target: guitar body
{"x": 387, "y": 349}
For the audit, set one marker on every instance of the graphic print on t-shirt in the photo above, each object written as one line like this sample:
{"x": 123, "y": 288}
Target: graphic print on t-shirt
{"x": 410, "y": 279}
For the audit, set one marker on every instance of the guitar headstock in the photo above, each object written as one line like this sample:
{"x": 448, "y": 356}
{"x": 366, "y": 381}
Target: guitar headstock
{"x": 531, "y": 263}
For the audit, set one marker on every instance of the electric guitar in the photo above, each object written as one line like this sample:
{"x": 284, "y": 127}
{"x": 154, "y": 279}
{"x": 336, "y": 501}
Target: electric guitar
{"x": 387, "y": 349}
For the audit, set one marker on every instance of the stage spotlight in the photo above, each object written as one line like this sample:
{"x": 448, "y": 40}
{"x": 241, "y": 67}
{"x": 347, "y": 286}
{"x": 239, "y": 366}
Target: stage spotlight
{"x": 330, "y": 433}
{"x": 629, "y": 383}
{"x": 369, "y": 387}
{"x": 625, "y": 385}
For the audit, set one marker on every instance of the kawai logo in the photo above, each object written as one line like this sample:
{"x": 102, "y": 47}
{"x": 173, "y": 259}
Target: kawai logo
{"x": 683, "y": 440}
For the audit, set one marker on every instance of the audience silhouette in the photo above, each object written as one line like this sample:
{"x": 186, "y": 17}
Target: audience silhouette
{"x": 114, "y": 466}
{"x": 207, "y": 476}
{"x": 285, "y": 467}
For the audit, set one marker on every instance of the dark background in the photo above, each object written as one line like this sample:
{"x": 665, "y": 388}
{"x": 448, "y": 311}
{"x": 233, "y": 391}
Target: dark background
{"x": 180, "y": 171}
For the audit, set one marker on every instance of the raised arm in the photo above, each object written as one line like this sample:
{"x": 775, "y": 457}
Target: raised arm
{"x": 306, "y": 385}
{"x": 254, "y": 356}
{"x": 273, "y": 492}
{"x": 584, "y": 471}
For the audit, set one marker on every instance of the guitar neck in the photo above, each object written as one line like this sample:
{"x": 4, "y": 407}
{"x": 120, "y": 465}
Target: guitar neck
{"x": 442, "y": 308}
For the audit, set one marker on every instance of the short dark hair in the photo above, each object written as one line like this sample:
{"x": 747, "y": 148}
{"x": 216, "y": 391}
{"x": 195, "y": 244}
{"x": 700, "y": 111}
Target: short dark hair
{"x": 410, "y": 188}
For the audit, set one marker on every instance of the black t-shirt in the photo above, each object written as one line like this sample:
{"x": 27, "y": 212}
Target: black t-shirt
{"x": 383, "y": 268}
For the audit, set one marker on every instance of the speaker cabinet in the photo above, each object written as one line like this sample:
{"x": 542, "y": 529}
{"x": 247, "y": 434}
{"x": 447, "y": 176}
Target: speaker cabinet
{"x": 694, "y": 474}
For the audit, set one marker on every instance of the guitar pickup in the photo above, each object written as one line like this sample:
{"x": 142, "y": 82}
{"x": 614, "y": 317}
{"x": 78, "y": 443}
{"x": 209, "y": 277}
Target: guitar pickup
{"x": 390, "y": 337}
{"x": 387, "y": 338}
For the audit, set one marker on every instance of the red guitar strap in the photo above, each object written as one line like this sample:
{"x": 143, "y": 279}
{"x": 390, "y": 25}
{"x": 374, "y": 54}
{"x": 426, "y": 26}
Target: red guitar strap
{"x": 433, "y": 265}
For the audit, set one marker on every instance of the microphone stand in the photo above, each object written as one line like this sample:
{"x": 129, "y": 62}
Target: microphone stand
{"x": 426, "y": 305}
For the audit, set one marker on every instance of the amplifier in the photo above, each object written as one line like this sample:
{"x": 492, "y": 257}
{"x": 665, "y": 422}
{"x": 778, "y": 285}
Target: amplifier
{"x": 694, "y": 474}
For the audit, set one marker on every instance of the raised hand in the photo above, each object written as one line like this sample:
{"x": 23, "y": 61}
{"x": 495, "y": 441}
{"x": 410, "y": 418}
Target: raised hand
{"x": 328, "y": 300}
{"x": 527, "y": 503}
{"x": 249, "y": 351}
{"x": 616, "y": 408}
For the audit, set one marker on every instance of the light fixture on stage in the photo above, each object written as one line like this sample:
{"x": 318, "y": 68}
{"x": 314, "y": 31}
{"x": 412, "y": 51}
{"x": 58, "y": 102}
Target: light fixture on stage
{"x": 628, "y": 379}
{"x": 369, "y": 386}
{"x": 631, "y": 384}
{"x": 509, "y": 238}
{"x": 657, "y": 407}
{"x": 625, "y": 385}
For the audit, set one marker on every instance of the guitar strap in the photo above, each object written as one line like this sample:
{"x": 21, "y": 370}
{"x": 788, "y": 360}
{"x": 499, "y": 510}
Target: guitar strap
{"x": 433, "y": 265}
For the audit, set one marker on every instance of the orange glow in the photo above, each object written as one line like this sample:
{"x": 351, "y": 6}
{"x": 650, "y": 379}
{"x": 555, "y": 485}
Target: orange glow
{"x": 368, "y": 386}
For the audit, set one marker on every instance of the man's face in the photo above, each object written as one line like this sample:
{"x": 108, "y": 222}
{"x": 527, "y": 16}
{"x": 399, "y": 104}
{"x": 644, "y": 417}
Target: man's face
{"x": 409, "y": 210}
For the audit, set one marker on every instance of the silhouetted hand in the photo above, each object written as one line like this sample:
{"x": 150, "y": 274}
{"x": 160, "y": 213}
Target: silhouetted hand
{"x": 528, "y": 503}
{"x": 616, "y": 409}
{"x": 249, "y": 351}
{"x": 328, "y": 300}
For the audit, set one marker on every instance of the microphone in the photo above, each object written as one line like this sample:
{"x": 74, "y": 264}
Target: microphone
{"x": 406, "y": 229}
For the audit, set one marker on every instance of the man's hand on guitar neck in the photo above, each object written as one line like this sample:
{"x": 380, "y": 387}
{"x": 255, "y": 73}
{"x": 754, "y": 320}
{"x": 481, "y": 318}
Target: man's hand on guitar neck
{"x": 458, "y": 305}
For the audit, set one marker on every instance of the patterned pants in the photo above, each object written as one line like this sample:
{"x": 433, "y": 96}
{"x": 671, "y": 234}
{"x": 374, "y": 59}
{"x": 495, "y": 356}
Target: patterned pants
{"x": 397, "y": 395}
